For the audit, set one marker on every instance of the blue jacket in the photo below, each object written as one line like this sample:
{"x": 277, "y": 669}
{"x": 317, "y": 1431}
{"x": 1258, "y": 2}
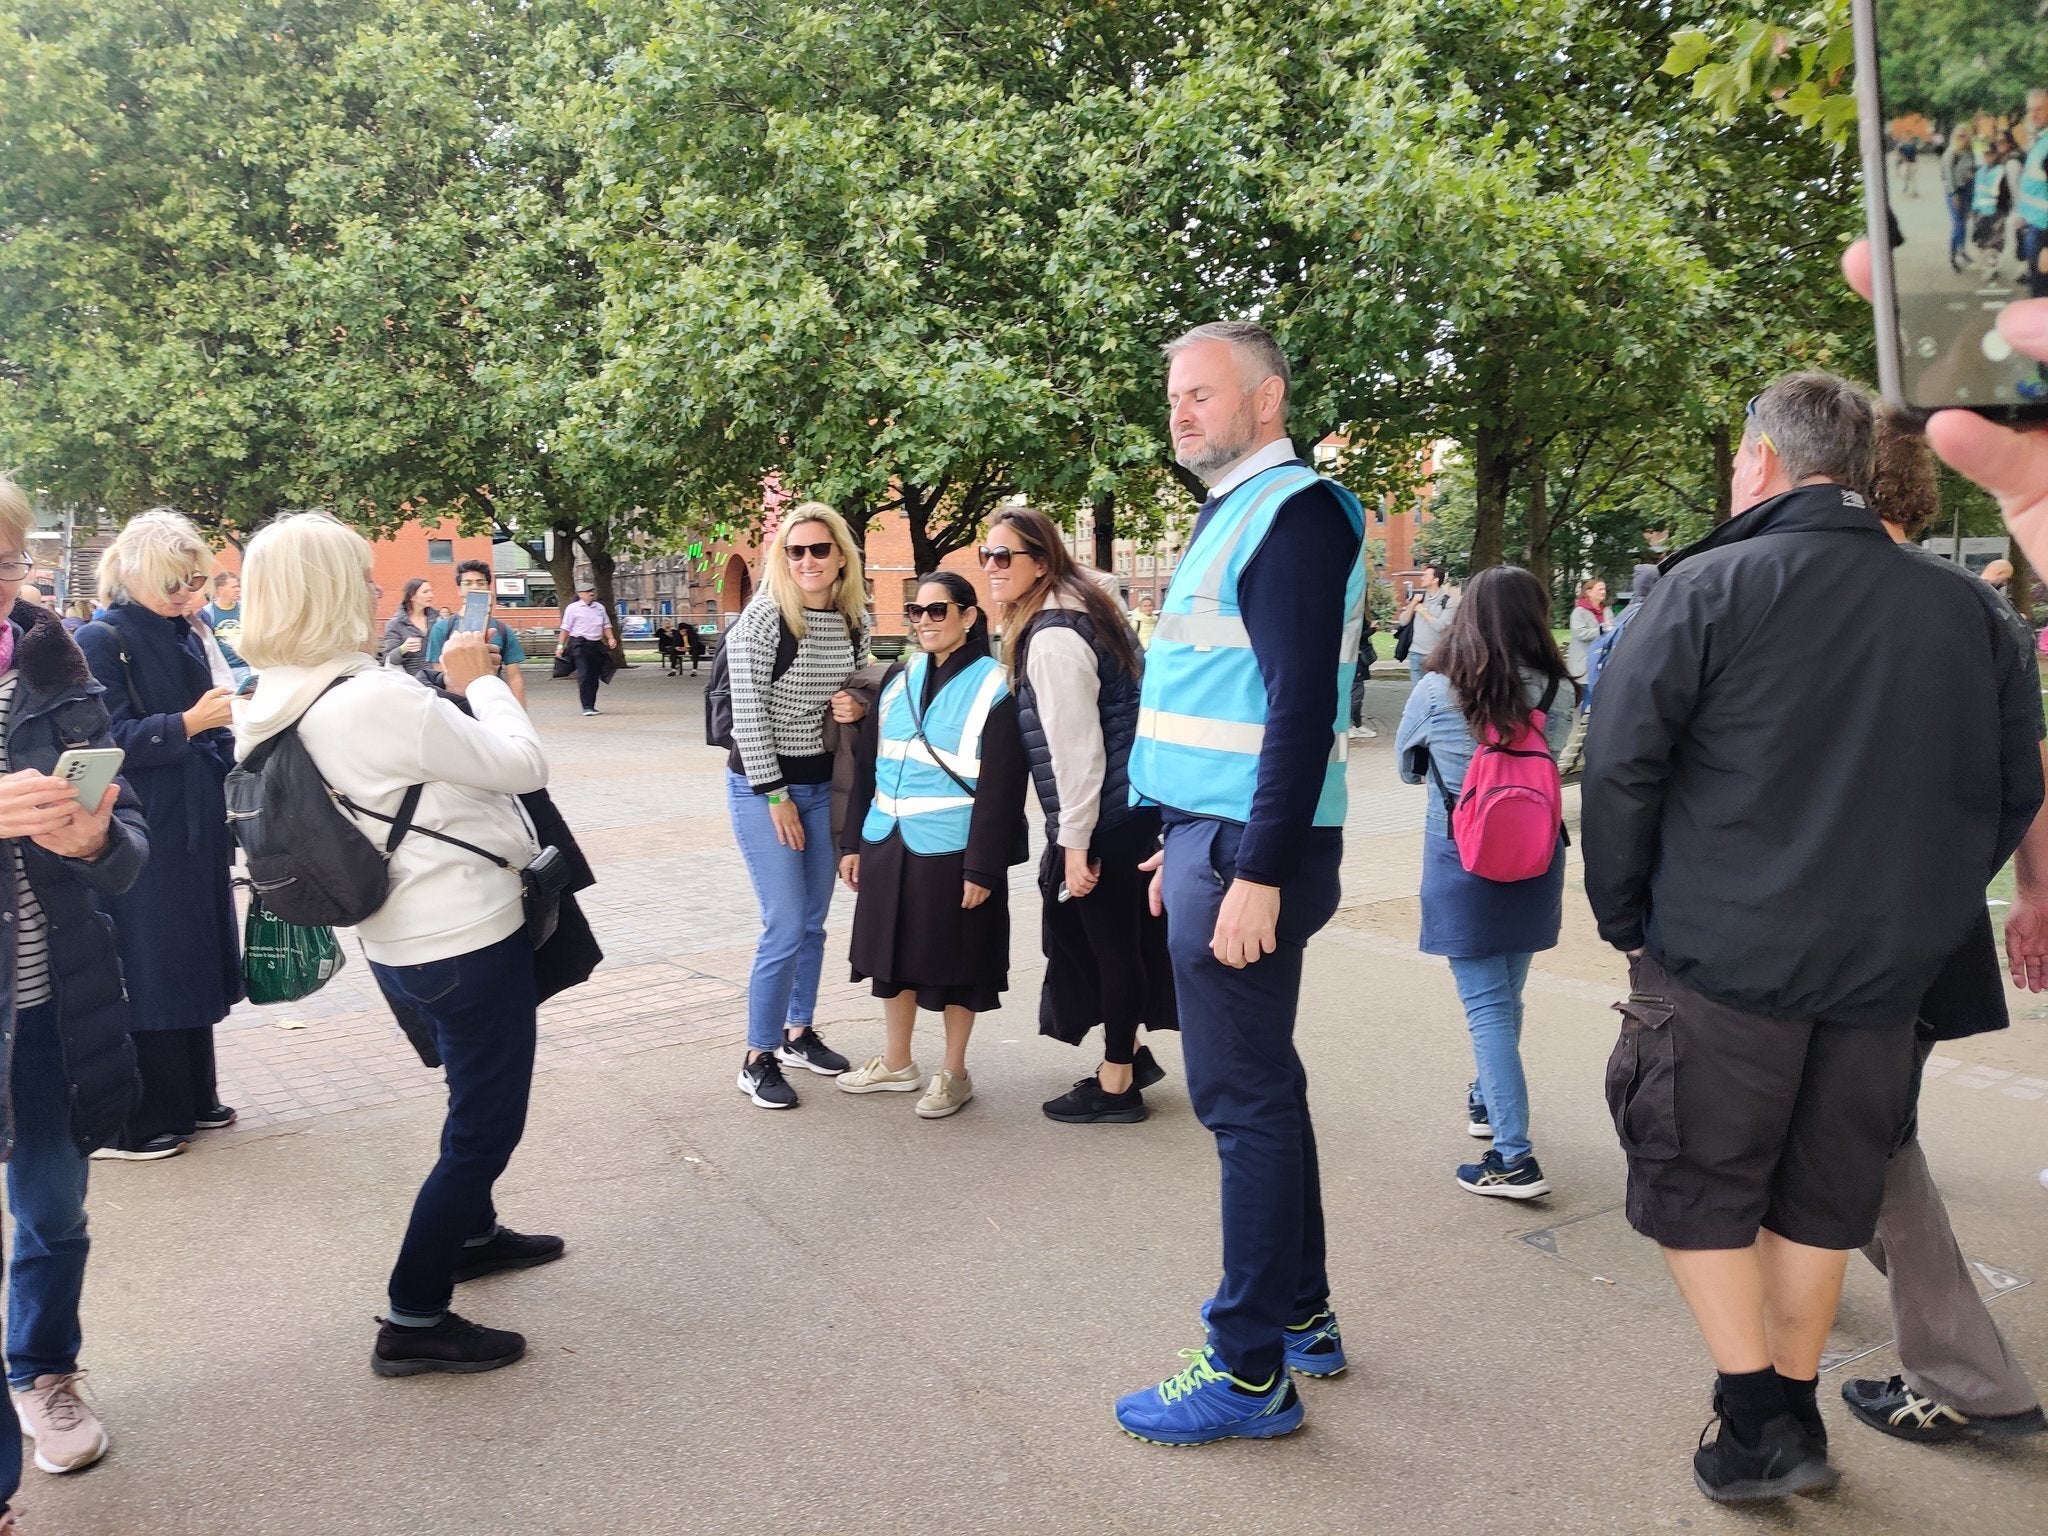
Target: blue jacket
{"x": 57, "y": 705}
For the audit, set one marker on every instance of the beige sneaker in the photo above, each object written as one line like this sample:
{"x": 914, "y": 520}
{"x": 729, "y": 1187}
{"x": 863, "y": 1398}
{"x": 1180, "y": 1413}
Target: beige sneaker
{"x": 948, "y": 1095}
{"x": 68, "y": 1435}
{"x": 872, "y": 1077}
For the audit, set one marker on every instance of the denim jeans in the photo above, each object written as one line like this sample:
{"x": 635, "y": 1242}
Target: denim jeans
{"x": 1490, "y": 987}
{"x": 1249, "y": 1089}
{"x": 1959, "y": 224}
{"x": 1415, "y": 665}
{"x": 795, "y": 894}
{"x": 46, "y": 1192}
{"x": 481, "y": 1009}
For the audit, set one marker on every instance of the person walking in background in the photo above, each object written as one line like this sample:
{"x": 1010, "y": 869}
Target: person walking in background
{"x": 450, "y": 942}
{"x": 1077, "y": 678}
{"x": 587, "y": 641}
{"x": 1783, "y": 923}
{"x": 180, "y": 953}
{"x": 1496, "y": 667}
{"x": 506, "y": 651}
{"x": 1959, "y": 184}
{"x": 1241, "y": 741}
{"x": 404, "y": 645}
{"x": 933, "y": 824}
{"x": 1428, "y": 613}
{"x": 1589, "y": 621}
{"x": 67, "y": 1069}
{"x": 1145, "y": 621}
{"x": 789, "y": 655}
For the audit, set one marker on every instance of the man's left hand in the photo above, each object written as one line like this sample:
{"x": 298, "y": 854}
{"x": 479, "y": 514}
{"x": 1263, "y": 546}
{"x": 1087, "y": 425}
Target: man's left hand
{"x": 84, "y": 835}
{"x": 1247, "y": 926}
{"x": 2026, "y": 942}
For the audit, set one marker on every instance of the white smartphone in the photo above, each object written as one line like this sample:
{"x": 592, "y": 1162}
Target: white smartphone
{"x": 476, "y": 612}
{"x": 89, "y": 770}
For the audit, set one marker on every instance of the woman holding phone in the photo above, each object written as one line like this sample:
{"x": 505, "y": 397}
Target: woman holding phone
{"x": 934, "y": 822}
{"x": 180, "y": 952}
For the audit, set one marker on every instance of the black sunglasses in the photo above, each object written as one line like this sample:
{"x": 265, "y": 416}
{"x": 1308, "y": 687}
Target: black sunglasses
{"x": 936, "y": 612}
{"x": 1000, "y": 555}
{"x": 815, "y": 551}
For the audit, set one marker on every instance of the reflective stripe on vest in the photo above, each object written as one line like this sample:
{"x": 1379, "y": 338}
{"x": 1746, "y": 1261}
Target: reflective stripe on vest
{"x": 1202, "y": 723}
{"x": 913, "y": 793}
{"x": 1984, "y": 201}
{"x": 2033, "y": 200}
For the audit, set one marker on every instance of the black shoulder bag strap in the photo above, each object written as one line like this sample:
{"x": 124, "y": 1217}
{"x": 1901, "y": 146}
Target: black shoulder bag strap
{"x": 917, "y": 733}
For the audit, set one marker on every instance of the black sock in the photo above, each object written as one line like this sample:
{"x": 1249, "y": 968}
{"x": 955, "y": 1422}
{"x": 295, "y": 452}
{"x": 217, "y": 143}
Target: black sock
{"x": 1750, "y": 1400}
{"x": 1802, "y": 1397}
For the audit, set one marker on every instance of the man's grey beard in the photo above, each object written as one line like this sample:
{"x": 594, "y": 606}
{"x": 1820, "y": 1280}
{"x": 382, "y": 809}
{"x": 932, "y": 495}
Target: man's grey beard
{"x": 1218, "y": 457}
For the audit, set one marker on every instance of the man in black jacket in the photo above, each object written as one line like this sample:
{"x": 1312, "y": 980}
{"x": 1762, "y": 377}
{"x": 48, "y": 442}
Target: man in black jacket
{"x": 1810, "y": 758}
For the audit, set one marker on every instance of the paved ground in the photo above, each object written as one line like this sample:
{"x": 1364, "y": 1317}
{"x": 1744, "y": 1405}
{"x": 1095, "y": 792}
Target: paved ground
{"x": 848, "y": 1320}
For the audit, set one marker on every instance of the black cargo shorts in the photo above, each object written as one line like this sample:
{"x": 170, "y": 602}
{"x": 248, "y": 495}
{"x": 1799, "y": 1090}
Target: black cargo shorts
{"x": 1734, "y": 1122}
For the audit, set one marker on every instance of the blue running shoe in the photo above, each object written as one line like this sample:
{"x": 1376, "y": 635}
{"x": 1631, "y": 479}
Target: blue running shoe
{"x": 1204, "y": 1404}
{"x": 1314, "y": 1348}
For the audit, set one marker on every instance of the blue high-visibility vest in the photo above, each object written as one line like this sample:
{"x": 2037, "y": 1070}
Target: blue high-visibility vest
{"x": 1202, "y": 714}
{"x": 1984, "y": 199}
{"x": 912, "y": 792}
{"x": 2033, "y": 201}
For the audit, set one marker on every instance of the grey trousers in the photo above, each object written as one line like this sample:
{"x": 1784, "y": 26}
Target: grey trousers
{"x": 1949, "y": 1348}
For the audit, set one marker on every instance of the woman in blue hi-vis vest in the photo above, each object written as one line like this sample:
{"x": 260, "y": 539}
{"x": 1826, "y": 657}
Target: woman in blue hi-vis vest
{"x": 935, "y": 821}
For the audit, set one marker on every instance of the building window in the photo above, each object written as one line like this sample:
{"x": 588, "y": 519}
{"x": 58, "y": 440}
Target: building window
{"x": 1144, "y": 565}
{"x": 440, "y": 551}
{"x": 1123, "y": 565}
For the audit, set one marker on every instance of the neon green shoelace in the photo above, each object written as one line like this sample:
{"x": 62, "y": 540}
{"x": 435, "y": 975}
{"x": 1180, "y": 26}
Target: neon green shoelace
{"x": 1198, "y": 1375}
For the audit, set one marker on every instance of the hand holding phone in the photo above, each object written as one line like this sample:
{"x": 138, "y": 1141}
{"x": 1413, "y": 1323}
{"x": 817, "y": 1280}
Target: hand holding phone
{"x": 89, "y": 771}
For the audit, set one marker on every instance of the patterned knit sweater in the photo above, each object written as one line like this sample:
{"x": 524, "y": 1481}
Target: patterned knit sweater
{"x": 778, "y": 722}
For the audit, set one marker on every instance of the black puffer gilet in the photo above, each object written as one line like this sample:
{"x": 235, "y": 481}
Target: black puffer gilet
{"x": 1117, "y": 704}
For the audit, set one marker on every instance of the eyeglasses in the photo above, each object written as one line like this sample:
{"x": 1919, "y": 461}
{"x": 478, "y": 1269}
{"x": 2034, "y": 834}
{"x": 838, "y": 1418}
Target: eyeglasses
{"x": 1000, "y": 555}
{"x": 1749, "y": 414}
{"x": 16, "y": 569}
{"x": 815, "y": 551}
{"x": 191, "y": 583}
{"x": 936, "y": 612}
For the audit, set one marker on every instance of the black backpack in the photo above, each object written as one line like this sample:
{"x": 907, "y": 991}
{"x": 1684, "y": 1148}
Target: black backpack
{"x": 309, "y": 864}
{"x": 718, "y": 692}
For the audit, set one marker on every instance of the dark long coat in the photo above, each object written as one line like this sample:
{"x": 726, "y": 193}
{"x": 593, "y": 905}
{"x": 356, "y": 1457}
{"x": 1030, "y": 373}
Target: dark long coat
{"x": 179, "y": 948}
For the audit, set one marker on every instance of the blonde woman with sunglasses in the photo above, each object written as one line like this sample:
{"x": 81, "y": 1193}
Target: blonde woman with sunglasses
{"x": 180, "y": 956}
{"x": 788, "y": 657}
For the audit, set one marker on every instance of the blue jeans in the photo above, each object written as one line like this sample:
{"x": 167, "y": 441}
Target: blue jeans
{"x": 1249, "y": 1089}
{"x": 46, "y": 1191}
{"x": 1958, "y": 224}
{"x": 481, "y": 1009}
{"x": 795, "y": 895}
{"x": 1415, "y": 665}
{"x": 1490, "y": 987}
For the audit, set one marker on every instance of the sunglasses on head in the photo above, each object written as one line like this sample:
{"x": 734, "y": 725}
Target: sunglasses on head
{"x": 1749, "y": 414}
{"x": 936, "y": 612}
{"x": 191, "y": 583}
{"x": 1000, "y": 555}
{"x": 815, "y": 551}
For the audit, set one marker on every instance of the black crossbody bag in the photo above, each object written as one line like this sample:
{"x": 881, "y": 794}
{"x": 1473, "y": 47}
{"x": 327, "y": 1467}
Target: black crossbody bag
{"x": 542, "y": 883}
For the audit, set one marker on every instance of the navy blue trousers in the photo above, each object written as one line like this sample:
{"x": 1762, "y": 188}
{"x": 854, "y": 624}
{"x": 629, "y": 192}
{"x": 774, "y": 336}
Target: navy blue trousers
{"x": 1248, "y": 1087}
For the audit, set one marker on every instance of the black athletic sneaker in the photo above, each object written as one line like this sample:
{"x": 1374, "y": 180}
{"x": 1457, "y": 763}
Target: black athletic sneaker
{"x": 1087, "y": 1103}
{"x": 762, "y": 1081}
{"x": 454, "y": 1345}
{"x": 807, "y": 1050}
{"x": 1896, "y": 1409}
{"x": 1782, "y": 1462}
{"x": 507, "y": 1250}
{"x": 215, "y": 1118}
{"x": 1145, "y": 1069}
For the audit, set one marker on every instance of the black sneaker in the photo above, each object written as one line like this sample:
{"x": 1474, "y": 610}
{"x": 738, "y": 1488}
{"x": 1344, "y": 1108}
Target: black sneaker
{"x": 454, "y": 1345}
{"x": 1477, "y": 1121}
{"x": 1782, "y": 1462}
{"x": 215, "y": 1118}
{"x": 1896, "y": 1409}
{"x": 1145, "y": 1069}
{"x": 153, "y": 1150}
{"x": 807, "y": 1050}
{"x": 762, "y": 1081}
{"x": 507, "y": 1250}
{"x": 1088, "y": 1103}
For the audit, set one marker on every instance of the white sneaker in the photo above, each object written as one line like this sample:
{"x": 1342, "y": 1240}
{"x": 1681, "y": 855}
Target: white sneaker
{"x": 948, "y": 1095}
{"x": 872, "y": 1077}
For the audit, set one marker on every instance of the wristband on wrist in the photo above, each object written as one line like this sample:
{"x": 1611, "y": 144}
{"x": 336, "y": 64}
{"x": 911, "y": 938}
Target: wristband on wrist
{"x": 777, "y": 797}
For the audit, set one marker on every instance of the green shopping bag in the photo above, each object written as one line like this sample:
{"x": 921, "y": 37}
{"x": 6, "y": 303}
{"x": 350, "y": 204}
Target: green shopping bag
{"x": 283, "y": 962}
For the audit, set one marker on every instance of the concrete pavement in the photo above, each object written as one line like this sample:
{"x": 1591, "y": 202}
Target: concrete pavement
{"x": 844, "y": 1319}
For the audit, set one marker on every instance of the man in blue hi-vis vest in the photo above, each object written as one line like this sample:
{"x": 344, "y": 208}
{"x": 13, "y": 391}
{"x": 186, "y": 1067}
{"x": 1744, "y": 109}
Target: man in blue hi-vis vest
{"x": 2032, "y": 206}
{"x": 1241, "y": 740}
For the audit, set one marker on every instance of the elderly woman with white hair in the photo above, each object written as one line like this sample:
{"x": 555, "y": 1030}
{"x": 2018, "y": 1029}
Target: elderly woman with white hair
{"x": 180, "y": 954}
{"x": 449, "y": 945}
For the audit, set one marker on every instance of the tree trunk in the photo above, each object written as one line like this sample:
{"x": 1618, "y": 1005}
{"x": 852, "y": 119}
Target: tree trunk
{"x": 562, "y": 562}
{"x": 1105, "y": 531}
{"x": 1724, "y": 475}
{"x": 2021, "y": 591}
{"x": 1537, "y": 553}
{"x": 1492, "y": 465}
{"x": 918, "y": 504}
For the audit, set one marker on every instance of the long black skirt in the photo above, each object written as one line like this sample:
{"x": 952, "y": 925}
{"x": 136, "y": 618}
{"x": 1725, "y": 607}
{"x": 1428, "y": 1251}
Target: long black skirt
{"x": 1105, "y": 955}
{"x": 910, "y": 933}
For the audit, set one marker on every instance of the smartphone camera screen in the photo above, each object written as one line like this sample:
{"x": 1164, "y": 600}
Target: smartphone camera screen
{"x": 476, "y": 612}
{"x": 1965, "y": 90}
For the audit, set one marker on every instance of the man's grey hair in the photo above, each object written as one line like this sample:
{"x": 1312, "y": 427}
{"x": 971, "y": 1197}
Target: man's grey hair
{"x": 1820, "y": 425}
{"x": 1257, "y": 352}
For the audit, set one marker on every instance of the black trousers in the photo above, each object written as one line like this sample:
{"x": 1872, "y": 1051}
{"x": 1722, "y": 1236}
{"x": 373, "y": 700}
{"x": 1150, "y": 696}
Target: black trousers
{"x": 589, "y": 658}
{"x": 176, "y": 1067}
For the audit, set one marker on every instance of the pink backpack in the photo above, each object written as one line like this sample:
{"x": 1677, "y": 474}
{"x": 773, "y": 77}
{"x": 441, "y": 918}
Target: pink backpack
{"x": 1509, "y": 814}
